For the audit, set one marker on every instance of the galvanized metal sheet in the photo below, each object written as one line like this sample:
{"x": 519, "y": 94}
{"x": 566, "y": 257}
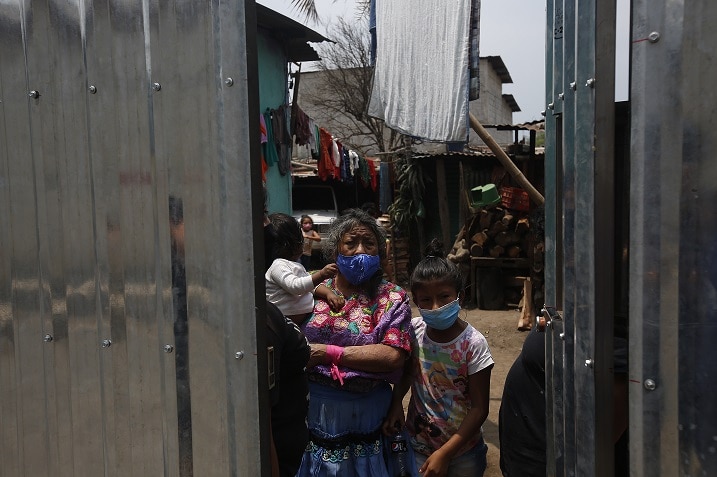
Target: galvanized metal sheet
{"x": 673, "y": 297}
{"x": 580, "y": 348}
{"x": 126, "y": 184}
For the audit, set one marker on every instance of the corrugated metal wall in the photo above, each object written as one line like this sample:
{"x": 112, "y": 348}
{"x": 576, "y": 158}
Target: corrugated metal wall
{"x": 673, "y": 258}
{"x": 672, "y": 225}
{"x": 126, "y": 266}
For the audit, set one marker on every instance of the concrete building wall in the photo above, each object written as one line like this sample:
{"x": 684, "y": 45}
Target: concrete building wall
{"x": 490, "y": 107}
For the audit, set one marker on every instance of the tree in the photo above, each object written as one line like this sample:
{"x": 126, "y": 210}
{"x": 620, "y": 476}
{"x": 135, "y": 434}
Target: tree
{"x": 342, "y": 91}
{"x": 308, "y": 8}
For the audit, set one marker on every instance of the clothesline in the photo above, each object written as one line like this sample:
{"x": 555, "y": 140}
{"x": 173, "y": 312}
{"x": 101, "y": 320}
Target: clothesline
{"x": 334, "y": 161}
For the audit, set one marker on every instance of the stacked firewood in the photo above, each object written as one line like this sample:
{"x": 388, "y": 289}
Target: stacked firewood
{"x": 493, "y": 232}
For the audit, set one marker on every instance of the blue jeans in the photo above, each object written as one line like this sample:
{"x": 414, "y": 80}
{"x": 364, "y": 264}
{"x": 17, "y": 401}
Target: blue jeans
{"x": 470, "y": 464}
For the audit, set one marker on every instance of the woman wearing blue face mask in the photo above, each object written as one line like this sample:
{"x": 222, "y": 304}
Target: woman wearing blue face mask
{"x": 362, "y": 348}
{"x": 449, "y": 376}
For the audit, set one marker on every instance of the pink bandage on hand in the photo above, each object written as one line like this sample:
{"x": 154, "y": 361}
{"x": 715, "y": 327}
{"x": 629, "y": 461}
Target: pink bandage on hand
{"x": 334, "y": 354}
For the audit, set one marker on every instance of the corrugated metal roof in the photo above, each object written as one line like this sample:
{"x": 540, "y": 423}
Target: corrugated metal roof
{"x": 455, "y": 154}
{"x": 292, "y": 34}
{"x": 537, "y": 125}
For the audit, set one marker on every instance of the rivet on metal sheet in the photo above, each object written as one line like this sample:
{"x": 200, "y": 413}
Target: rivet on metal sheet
{"x": 653, "y": 37}
{"x": 47, "y": 338}
{"x": 650, "y": 384}
{"x": 156, "y": 86}
{"x": 239, "y": 355}
{"x": 34, "y": 94}
{"x": 551, "y": 106}
{"x": 561, "y": 96}
{"x": 92, "y": 89}
{"x": 168, "y": 348}
{"x": 573, "y": 86}
{"x": 590, "y": 83}
{"x": 562, "y": 336}
{"x": 589, "y": 363}
{"x": 106, "y": 343}
{"x": 542, "y": 113}
{"x": 229, "y": 81}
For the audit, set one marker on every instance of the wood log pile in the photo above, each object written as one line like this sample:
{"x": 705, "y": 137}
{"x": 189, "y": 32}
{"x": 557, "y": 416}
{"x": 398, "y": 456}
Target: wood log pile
{"x": 507, "y": 239}
{"x": 492, "y": 232}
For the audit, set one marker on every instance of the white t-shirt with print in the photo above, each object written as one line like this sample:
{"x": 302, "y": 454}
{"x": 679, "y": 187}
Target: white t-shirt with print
{"x": 439, "y": 392}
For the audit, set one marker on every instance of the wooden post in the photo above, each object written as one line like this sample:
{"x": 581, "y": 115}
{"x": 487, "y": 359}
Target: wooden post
{"x": 524, "y": 183}
{"x": 443, "y": 202}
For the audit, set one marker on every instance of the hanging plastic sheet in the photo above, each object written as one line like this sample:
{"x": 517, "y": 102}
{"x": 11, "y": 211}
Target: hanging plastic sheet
{"x": 421, "y": 80}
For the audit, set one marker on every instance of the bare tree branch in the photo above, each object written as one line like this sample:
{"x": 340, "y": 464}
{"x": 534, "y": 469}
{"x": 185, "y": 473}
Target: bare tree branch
{"x": 344, "y": 92}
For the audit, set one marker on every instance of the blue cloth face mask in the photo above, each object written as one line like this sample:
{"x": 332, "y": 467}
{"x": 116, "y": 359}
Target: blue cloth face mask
{"x": 358, "y": 268}
{"x": 441, "y": 318}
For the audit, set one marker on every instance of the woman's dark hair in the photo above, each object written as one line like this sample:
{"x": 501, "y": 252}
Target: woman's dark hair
{"x": 435, "y": 267}
{"x": 344, "y": 223}
{"x": 288, "y": 239}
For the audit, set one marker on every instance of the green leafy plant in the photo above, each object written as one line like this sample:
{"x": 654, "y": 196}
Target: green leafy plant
{"x": 407, "y": 206}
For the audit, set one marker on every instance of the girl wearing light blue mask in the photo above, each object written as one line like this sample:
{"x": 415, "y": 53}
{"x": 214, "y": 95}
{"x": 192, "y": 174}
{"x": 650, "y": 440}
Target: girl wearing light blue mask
{"x": 447, "y": 354}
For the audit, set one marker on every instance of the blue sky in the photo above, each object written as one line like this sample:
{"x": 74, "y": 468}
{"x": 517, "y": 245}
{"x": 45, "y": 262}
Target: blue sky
{"x": 511, "y": 29}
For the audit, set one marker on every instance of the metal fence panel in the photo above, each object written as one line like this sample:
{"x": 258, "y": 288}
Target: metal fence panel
{"x": 673, "y": 302}
{"x": 126, "y": 295}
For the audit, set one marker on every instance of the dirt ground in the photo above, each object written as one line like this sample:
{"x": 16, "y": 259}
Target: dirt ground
{"x": 501, "y": 330}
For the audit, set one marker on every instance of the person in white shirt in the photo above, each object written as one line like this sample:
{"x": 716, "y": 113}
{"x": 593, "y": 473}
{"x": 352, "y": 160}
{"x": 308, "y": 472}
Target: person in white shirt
{"x": 288, "y": 285}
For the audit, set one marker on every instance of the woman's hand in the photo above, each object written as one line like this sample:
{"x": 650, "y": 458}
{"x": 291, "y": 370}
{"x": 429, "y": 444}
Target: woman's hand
{"x": 394, "y": 421}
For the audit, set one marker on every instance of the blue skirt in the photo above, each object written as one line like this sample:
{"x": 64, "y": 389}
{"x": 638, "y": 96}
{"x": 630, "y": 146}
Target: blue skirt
{"x": 345, "y": 428}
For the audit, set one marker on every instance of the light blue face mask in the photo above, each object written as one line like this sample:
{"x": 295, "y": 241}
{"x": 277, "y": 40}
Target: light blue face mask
{"x": 441, "y": 318}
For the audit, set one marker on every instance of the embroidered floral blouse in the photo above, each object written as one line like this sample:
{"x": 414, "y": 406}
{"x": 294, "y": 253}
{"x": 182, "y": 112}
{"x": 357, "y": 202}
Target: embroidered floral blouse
{"x": 385, "y": 319}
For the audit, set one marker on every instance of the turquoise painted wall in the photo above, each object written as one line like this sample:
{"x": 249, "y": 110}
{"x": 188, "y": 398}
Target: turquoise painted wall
{"x": 273, "y": 93}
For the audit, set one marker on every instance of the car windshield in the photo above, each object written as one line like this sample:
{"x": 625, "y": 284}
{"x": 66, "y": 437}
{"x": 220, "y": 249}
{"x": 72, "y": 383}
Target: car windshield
{"x": 313, "y": 198}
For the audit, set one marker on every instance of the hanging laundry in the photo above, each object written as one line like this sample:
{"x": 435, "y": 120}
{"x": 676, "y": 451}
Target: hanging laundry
{"x": 354, "y": 162}
{"x": 312, "y": 138}
{"x": 282, "y": 138}
{"x": 302, "y": 131}
{"x": 326, "y": 167}
{"x": 263, "y": 140}
{"x": 373, "y": 174}
{"x": 363, "y": 173}
{"x": 420, "y": 84}
{"x": 335, "y": 157}
{"x": 346, "y": 175}
{"x": 270, "y": 153}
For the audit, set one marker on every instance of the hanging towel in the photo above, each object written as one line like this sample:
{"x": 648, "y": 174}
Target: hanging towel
{"x": 420, "y": 85}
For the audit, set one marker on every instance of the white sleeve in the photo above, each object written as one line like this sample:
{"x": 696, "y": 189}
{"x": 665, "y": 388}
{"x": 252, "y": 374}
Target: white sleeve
{"x": 481, "y": 357}
{"x": 285, "y": 276}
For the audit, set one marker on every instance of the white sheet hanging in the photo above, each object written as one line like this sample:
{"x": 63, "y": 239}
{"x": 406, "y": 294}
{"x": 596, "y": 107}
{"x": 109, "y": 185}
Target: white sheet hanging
{"x": 421, "y": 79}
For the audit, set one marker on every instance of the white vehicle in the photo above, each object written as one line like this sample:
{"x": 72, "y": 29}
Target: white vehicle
{"x": 318, "y": 202}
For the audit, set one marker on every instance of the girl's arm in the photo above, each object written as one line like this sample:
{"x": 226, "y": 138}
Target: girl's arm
{"x": 328, "y": 271}
{"x": 335, "y": 301}
{"x": 479, "y": 392}
{"x": 315, "y": 236}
